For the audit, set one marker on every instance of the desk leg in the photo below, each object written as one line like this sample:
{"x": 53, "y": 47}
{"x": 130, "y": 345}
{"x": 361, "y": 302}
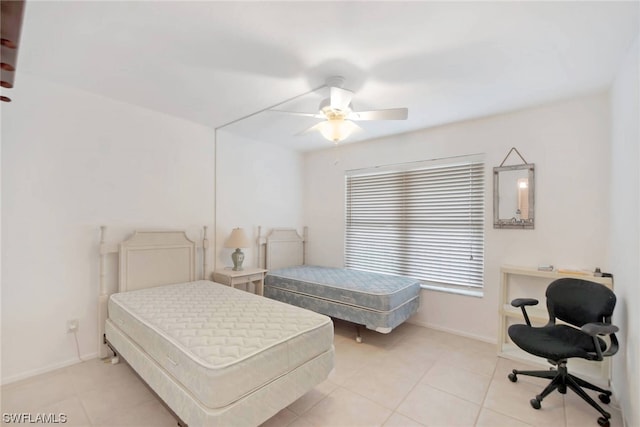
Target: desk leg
{"x": 260, "y": 287}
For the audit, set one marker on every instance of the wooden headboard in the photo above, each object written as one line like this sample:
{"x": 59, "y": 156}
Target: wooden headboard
{"x": 147, "y": 259}
{"x": 154, "y": 258}
{"x": 284, "y": 248}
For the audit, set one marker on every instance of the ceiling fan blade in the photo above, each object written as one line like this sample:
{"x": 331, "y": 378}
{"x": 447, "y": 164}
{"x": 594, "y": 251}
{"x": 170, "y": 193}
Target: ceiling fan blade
{"x": 340, "y": 98}
{"x": 311, "y": 129}
{"x": 390, "y": 114}
{"x": 298, "y": 113}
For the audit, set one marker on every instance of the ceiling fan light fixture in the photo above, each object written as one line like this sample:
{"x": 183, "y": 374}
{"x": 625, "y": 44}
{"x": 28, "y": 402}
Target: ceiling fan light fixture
{"x": 336, "y": 130}
{"x": 339, "y": 115}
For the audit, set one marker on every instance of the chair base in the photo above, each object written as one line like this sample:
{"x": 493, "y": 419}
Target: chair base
{"x": 560, "y": 380}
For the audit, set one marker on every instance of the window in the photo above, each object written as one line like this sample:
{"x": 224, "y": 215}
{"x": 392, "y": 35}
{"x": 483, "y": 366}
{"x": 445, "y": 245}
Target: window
{"x": 423, "y": 220}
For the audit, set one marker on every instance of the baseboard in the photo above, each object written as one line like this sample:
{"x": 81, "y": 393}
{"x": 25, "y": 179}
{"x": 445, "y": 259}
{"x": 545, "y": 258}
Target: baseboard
{"x": 453, "y": 331}
{"x": 34, "y": 372}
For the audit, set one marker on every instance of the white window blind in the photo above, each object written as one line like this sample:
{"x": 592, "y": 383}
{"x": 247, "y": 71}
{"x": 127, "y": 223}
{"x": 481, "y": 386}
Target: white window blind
{"x": 426, "y": 222}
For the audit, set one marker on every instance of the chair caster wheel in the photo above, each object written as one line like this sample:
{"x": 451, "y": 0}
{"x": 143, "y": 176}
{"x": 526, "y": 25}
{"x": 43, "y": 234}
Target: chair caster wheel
{"x": 604, "y": 398}
{"x": 604, "y": 422}
{"x": 535, "y": 403}
{"x": 512, "y": 377}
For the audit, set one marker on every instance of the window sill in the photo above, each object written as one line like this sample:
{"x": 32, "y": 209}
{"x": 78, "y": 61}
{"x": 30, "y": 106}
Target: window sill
{"x": 478, "y": 293}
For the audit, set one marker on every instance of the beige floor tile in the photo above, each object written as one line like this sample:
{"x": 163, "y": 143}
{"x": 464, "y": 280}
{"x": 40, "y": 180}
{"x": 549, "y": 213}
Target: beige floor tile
{"x": 404, "y": 365}
{"x": 433, "y": 407}
{"x": 418, "y": 350}
{"x": 398, "y": 420}
{"x": 103, "y": 402}
{"x": 505, "y": 366}
{"x": 301, "y": 422}
{"x": 409, "y": 329}
{"x": 512, "y": 399}
{"x": 348, "y": 409}
{"x": 470, "y": 360}
{"x": 426, "y": 334}
{"x": 467, "y": 344}
{"x": 312, "y": 397}
{"x": 72, "y": 409}
{"x": 89, "y": 375}
{"x": 343, "y": 371}
{"x": 350, "y": 358}
{"x": 379, "y": 340}
{"x": 489, "y": 418}
{"x": 366, "y": 348}
{"x": 281, "y": 419}
{"x": 429, "y": 333}
{"x": 461, "y": 383}
{"x": 148, "y": 414}
{"x": 35, "y": 393}
{"x": 376, "y": 342}
{"x": 580, "y": 413}
{"x": 377, "y": 384}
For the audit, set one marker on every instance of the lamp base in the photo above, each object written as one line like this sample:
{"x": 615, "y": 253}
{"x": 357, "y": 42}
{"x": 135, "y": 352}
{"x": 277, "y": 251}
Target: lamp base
{"x": 237, "y": 257}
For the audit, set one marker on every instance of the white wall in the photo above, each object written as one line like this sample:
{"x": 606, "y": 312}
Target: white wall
{"x": 569, "y": 144}
{"x": 625, "y": 231}
{"x": 257, "y": 184}
{"x": 73, "y": 161}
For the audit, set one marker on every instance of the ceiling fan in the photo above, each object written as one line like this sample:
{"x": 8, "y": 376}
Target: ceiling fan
{"x": 338, "y": 114}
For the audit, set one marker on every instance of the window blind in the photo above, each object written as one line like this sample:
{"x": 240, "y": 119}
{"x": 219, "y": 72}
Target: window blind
{"x": 426, "y": 222}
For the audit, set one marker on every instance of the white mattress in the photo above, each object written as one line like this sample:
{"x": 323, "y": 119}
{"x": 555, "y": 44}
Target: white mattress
{"x": 220, "y": 343}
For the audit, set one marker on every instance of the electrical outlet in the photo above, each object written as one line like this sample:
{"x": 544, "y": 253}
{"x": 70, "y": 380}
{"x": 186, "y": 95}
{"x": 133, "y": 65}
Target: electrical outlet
{"x": 72, "y": 325}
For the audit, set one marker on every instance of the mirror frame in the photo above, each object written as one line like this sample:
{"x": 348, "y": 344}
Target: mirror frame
{"x": 512, "y": 222}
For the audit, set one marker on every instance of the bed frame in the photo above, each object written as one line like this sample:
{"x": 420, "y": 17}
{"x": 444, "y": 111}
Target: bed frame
{"x": 155, "y": 258}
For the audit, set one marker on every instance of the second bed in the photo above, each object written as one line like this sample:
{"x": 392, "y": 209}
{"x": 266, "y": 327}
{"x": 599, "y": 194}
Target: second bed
{"x": 380, "y": 302}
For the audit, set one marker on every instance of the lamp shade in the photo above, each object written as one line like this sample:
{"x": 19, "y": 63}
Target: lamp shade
{"x": 336, "y": 129}
{"x": 238, "y": 239}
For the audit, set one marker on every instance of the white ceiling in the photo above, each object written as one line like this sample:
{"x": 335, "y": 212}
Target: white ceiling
{"x": 215, "y": 62}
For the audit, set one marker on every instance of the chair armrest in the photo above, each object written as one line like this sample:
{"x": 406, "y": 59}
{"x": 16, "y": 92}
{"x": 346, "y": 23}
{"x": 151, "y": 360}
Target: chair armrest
{"x": 521, "y": 302}
{"x": 599, "y": 328}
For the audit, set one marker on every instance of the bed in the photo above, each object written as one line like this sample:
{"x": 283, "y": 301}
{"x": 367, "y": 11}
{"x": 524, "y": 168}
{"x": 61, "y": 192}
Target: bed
{"x": 380, "y": 302}
{"x": 216, "y": 356}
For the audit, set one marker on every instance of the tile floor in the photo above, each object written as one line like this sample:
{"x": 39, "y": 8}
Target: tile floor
{"x": 411, "y": 377}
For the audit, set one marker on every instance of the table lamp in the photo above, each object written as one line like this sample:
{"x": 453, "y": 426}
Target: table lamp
{"x": 237, "y": 240}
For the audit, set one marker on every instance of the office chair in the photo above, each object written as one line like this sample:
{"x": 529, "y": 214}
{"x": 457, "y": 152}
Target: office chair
{"x": 586, "y": 308}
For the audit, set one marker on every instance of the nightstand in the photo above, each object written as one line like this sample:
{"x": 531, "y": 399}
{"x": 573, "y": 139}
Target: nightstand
{"x": 233, "y": 278}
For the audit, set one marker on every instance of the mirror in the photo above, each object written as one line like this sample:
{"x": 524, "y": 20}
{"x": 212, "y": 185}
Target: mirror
{"x": 513, "y": 196}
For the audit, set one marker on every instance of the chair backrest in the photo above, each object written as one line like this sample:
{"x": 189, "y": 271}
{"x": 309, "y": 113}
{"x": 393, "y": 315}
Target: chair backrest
{"x": 577, "y": 301}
